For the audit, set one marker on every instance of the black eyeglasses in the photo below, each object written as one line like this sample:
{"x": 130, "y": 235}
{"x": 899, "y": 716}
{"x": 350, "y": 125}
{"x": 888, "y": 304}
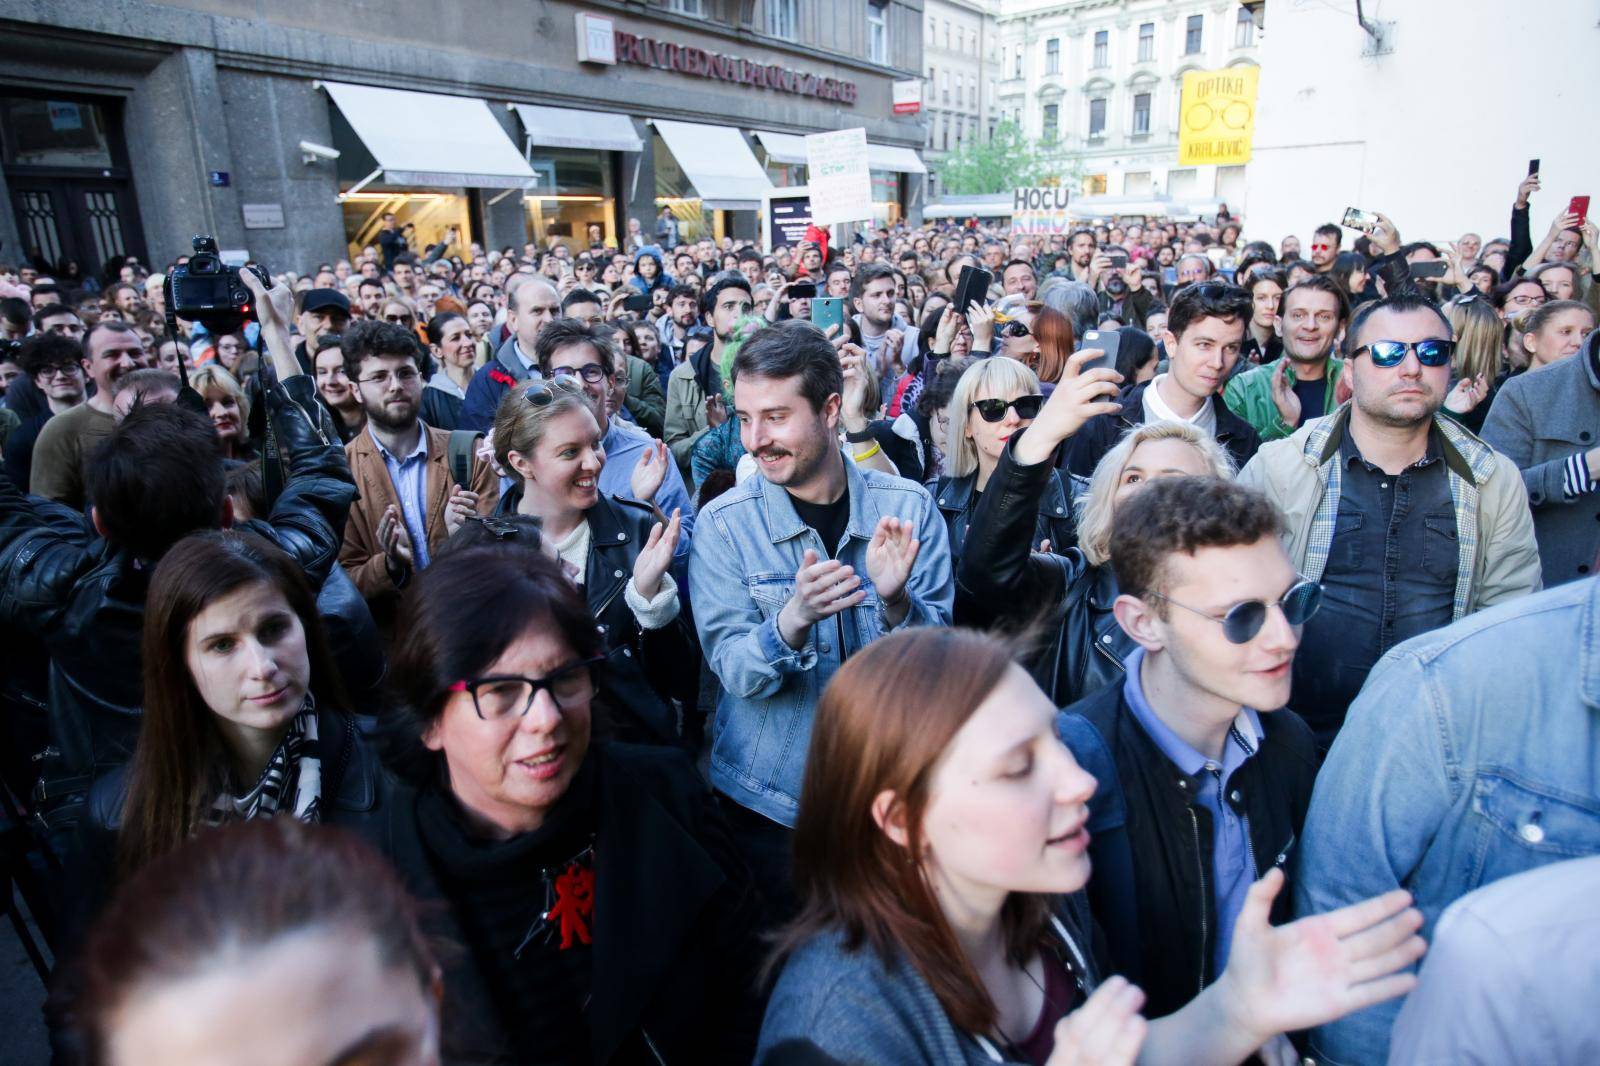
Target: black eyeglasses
{"x": 497, "y": 697}
{"x": 1014, "y": 329}
{"x": 1431, "y": 352}
{"x": 590, "y": 372}
{"x": 995, "y": 410}
{"x": 1244, "y": 620}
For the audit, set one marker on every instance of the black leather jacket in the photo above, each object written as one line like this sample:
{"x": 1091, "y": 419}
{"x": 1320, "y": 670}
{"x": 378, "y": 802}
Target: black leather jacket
{"x": 1055, "y": 522}
{"x": 648, "y": 669}
{"x": 84, "y": 597}
{"x": 1002, "y": 583}
{"x": 1083, "y": 452}
{"x": 1151, "y": 842}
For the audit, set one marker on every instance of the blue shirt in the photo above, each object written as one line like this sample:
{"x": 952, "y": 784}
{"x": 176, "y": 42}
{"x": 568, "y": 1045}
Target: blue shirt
{"x": 409, "y": 475}
{"x": 624, "y": 446}
{"x": 1233, "y": 868}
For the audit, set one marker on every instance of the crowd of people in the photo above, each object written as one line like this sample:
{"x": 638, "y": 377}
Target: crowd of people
{"x": 1182, "y": 652}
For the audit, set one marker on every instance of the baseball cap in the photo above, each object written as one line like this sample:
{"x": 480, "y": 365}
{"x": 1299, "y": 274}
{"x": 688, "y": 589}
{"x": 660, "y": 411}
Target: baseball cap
{"x": 324, "y": 300}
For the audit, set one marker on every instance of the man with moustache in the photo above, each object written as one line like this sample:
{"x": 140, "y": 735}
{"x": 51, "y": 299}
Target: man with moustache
{"x": 1277, "y": 397}
{"x": 792, "y": 571}
{"x": 1407, "y": 520}
{"x": 408, "y": 503}
{"x": 110, "y": 350}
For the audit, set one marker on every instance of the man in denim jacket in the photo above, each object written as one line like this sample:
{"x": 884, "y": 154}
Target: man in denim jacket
{"x": 794, "y": 570}
{"x": 1472, "y": 754}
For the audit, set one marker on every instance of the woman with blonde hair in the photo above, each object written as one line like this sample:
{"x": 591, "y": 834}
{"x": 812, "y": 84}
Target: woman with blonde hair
{"x": 1480, "y": 343}
{"x": 994, "y": 399}
{"x": 1552, "y": 331}
{"x": 1004, "y": 583}
{"x": 228, "y": 407}
{"x": 617, "y": 550}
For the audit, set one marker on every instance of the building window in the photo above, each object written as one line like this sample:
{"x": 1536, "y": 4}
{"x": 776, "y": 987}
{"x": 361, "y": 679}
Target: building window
{"x": 944, "y": 136}
{"x": 1097, "y": 117}
{"x": 947, "y": 35}
{"x": 877, "y": 33}
{"x": 1052, "y": 122}
{"x": 1102, "y": 48}
{"x": 1141, "y": 113}
{"x": 1136, "y": 183}
{"x": 933, "y": 28}
{"x": 1191, "y": 37}
{"x": 974, "y": 92}
{"x": 783, "y": 18}
{"x": 960, "y": 89}
{"x": 944, "y": 86}
{"x": 1094, "y": 185}
{"x": 1244, "y": 29}
{"x": 1052, "y": 56}
{"x": 1147, "y": 42}
{"x": 686, "y": 7}
{"x": 1017, "y": 70}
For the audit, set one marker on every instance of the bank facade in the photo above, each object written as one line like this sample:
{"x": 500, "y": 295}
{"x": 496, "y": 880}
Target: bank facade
{"x": 287, "y": 129}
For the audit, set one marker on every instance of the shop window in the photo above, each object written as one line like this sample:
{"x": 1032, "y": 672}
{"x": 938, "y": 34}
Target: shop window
{"x": 431, "y": 211}
{"x": 675, "y": 191}
{"x": 1102, "y": 48}
{"x": 1147, "y": 42}
{"x": 1136, "y": 183}
{"x": 783, "y": 19}
{"x": 574, "y": 192}
{"x": 1094, "y": 185}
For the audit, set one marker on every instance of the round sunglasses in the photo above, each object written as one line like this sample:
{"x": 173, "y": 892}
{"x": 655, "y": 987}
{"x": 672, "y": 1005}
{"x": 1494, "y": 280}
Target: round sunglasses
{"x": 1244, "y": 620}
{"x": 995, "y": 410}
{"x": 1434, "y": 352}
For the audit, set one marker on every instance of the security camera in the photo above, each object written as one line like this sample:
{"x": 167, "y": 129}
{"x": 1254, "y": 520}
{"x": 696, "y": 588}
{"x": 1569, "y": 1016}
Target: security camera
{"x": 310, "y": 153}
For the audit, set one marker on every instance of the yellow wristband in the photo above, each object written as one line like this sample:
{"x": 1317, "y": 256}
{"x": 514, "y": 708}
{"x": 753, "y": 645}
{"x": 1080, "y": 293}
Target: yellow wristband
{"x": 868, "y": 454}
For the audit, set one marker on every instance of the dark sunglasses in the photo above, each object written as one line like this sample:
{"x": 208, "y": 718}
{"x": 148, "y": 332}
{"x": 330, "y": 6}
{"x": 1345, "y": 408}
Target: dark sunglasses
{"x": 1014, "y": 329}
{"x": 995, "y": 410}
{"x": 1244, "y": 620}
{"x": 398, "y": 318}
{"x": 1393, "y": 353}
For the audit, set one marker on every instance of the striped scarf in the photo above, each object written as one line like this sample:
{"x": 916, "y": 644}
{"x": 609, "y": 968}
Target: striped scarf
{"x": 294, "y": 771}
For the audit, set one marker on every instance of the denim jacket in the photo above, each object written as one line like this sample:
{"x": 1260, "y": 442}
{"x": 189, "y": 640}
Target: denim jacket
{"x": 1473, "y": 753}
{"x": 748, "y": 544}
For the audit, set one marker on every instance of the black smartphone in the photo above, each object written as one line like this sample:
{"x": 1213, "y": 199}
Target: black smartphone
{"x": 1533, "y": 167}
{"x": 638, "y": 303}
{"x": 1108, "y": 341}
{"x": 972, "y": 287}
{"x": 1429, "y": 268}
{"x": 802, "y": 290}
{"x": 827, "y": 311}
{"x": 1119, "y": 260}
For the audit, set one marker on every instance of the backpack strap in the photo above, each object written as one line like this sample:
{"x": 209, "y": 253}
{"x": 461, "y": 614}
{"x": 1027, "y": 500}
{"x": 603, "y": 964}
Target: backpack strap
{"x": 461, "y": 451}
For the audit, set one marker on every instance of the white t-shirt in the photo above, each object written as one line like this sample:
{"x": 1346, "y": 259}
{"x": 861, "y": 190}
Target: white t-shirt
{"x": 1156, "y": 409}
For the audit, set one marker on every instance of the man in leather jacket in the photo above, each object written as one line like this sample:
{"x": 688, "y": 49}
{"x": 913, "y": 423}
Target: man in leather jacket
{"x": 1204, "y": 780}
{"x": 78, "y": 583}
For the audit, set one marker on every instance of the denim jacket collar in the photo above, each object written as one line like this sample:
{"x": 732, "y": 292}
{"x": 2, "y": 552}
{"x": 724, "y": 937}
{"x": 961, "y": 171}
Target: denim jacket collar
{"x": 783, "y": 522}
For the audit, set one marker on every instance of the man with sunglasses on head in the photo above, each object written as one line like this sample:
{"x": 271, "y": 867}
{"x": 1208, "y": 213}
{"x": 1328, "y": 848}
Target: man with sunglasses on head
{"x": 1408, "y": 520}
{"x": 1204, "y": 778}
{"x": 1205, "y": 329}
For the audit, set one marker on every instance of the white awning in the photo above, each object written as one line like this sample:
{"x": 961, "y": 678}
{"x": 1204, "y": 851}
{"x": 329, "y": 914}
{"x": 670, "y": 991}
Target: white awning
{"x": 972, "y": 207}
{"x": 561, "y": 127}
{"x": 786, "y": 148}
{"x": 719, "y": 164}
{"x": 432, "y": 139}
{"x": 893, "y": 157}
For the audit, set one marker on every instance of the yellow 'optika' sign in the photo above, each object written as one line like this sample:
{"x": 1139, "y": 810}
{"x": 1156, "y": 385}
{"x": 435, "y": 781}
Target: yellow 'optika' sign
{"x": 1218, "y": 119}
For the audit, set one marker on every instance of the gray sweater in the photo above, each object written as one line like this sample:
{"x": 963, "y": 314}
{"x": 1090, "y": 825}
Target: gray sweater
{"x": 856, "y": 1009}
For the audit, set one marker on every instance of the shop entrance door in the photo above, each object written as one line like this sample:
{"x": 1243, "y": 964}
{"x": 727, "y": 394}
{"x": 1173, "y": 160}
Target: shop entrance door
{"x": 88, "y": 220}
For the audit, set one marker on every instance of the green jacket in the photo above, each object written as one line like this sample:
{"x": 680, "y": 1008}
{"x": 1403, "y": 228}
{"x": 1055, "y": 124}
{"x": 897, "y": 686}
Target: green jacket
{"x": 645, "y": 401}
{"x": 1250, "y": 397}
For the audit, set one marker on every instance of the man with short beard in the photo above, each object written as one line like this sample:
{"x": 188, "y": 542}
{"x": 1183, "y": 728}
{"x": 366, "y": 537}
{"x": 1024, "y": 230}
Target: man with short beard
{"x": 1407, "y": 520}
{"x": 1277, "y": 397}
{"x": 883, "y": 333}
{"x": 793, "y": 570}
{"x": 111, "y": 350}
{"x": 1325, "y": 247}
{"x": 408, "y": 503}
{"x": 694, "y": 388}
{"x": 683, "y": 314}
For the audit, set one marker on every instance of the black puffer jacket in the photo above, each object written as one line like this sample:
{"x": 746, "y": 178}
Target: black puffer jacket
{"x": 1002, "y": 583}
{"x": 647, "y": 669}
{"x": 84, "y": 597}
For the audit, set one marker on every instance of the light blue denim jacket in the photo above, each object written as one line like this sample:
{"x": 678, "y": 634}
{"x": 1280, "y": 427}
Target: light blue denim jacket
{"x": 748, "y": 544}
{"x": 1473, "y": 753}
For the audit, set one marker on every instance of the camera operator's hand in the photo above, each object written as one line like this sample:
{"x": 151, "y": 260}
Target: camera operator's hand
{"x": 274, "y": 310}
{"x": 1080, "y": 396}
{"x": 1529, "y": 186}
{"x": 1385, "y": 236}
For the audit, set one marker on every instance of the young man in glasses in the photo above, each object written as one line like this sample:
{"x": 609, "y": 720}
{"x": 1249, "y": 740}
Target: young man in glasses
{"x": 407, "y": 502}
{"x": 1205, "y": 330}
{"x": 1407, "y": 519}
{"x": 1204, "y": 780}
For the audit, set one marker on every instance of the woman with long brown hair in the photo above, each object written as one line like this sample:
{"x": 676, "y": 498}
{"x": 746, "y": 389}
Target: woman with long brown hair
{"x": 940, "y": 856}
{"x": 244, "y": 714}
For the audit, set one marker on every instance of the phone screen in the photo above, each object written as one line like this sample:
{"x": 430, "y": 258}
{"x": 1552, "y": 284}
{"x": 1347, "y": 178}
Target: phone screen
{"x": 1355, "y": 218}
{"x": 1533, "y": 167}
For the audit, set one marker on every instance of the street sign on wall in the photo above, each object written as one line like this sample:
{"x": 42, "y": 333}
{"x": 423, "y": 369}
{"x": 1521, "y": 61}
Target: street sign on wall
{"x": 908, "y": 96}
